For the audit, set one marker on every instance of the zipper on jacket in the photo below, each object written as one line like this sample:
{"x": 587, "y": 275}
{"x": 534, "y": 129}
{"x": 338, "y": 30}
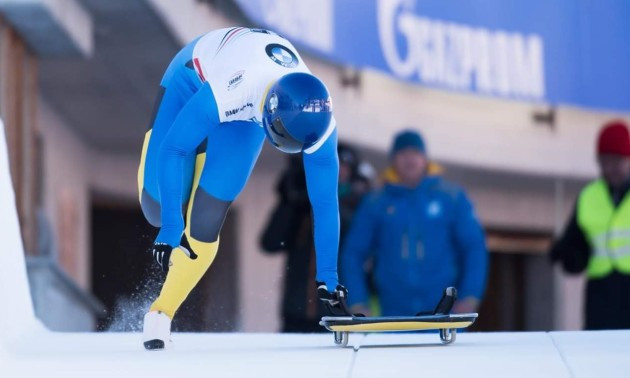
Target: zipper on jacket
{"x": 419, "y": 250}
{"x": 611, "y": 255}
{"x": 405, "y": 246}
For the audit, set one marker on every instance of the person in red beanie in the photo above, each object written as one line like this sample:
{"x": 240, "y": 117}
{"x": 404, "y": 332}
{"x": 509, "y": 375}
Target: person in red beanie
{"x": 597, "y": 238}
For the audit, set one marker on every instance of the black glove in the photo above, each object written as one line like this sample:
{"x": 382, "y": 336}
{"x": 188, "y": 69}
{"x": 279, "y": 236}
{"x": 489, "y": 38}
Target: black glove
{"x": 162, "y": 253}
{"x": 335, "y": 302}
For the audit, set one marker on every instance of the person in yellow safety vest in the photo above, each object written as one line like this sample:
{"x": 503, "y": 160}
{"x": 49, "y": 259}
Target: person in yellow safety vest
{"x": 597, "y": 238}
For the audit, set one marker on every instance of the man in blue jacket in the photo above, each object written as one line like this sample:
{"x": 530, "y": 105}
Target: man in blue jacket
{"x": 422, "y": 235}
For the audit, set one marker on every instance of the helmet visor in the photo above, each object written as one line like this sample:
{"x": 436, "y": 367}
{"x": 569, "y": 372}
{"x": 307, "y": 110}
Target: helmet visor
{"x": 280, "y": 137}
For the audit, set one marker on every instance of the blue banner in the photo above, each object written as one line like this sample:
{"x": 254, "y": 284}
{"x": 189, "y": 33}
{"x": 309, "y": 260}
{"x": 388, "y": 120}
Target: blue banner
{"x": 560, "y": 52}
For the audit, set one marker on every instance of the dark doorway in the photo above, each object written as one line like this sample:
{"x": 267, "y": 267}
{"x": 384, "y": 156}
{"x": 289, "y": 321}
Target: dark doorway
{"x": 126, "y": 280}
{"x": 519, "y": 294}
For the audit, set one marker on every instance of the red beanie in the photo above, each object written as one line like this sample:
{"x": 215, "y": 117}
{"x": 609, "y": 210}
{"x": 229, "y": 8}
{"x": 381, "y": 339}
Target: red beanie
{"x": 614, "y": 139}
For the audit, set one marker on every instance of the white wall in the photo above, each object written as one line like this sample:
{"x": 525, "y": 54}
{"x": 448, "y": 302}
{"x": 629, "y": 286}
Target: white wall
{"x": 189, "y": 19}
{"x": 115, "y": 174}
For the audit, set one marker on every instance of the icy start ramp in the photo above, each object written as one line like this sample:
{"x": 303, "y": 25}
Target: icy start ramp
{"x": 29, "y": 350}
{"x": 576, "y": 354}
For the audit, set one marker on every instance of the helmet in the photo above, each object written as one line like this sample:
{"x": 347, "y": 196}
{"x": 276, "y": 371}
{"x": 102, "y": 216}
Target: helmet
{"x": 296, "y": 112}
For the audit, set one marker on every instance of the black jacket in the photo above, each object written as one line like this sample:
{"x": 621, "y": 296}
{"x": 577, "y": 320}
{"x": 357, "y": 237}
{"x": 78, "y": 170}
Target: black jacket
{"x": 572, "y": 249}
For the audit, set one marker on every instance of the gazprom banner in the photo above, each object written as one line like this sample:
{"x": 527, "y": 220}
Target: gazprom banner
{"x": 561, "y": 51}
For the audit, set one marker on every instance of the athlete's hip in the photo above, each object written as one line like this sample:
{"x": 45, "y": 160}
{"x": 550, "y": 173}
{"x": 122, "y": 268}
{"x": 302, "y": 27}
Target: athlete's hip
{"x": 182, "y": 68}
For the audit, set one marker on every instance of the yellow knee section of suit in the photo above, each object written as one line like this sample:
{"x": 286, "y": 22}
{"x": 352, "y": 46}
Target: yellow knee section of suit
{"x": 183, "y": 275}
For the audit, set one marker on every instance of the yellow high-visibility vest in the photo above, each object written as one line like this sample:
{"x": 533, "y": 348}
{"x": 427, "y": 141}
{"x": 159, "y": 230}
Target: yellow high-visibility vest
{"x": 607, "y": 229}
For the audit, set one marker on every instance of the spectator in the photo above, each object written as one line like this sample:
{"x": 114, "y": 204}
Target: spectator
{"x": 597, "y": 237}
{"x": 289, "y": 230}
{"x": 422, "y": 234}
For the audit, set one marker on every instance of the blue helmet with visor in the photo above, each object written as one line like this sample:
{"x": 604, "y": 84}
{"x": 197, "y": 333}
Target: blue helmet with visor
{"x": 297, "y": 112}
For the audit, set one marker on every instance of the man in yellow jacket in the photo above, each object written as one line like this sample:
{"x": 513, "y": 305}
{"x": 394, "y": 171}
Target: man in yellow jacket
{"x": 597, "y": 238}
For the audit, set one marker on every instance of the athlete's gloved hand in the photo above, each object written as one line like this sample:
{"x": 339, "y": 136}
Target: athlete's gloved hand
{"x": 162, "y": 252}
{"x": 336, "y": 301}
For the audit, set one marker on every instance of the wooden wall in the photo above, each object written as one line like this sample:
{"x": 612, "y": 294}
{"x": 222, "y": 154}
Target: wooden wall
{"x": 18, "y": 101}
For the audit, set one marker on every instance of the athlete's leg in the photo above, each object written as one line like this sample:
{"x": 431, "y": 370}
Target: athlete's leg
{"x": 178, "y": 85}
{"x": 231, "y": 154}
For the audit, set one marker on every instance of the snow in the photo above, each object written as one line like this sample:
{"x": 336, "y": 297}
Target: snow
{"x": 27, "y": 349}
{"x": 17, "y": 309}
